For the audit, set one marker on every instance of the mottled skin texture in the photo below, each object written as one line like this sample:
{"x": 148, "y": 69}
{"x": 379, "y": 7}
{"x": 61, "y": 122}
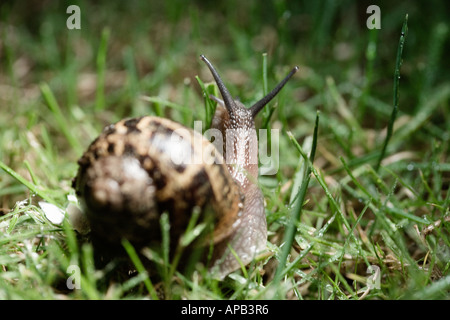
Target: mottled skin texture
{"x": 139, "y": 168}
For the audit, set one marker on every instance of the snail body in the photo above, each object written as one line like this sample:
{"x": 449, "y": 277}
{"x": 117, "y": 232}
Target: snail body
{"x": 139, "y": 168}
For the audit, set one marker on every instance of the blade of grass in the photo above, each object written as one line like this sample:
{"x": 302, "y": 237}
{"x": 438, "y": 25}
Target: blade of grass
{"x": 140, "y": 268}
{"x": 87, "y": 263}
{"x": 297, "y": 209}
{"x": 61, "y": 121}
{"x": 268, "y": 110}
{"x": 71, "y": 240}
{"x": 101, "y": 67}
{"x": 339, "y": 279}
{"x": 31, "y": 186}
{"x": 398, "y": 64}
{"x": 304, "y": 252}
{"x": 351, "y": 236}
{"x": 31, "y": 172}
{"x": 210, "y": 105}
{"x": 371, "y": 53}
{"x": 133, "y": 85}
{"x": 342, "y": 108}
{"x": 264, "y": 74}
{"x": 438, "y": 289}
{"x": 194, "y": 230}
{"x": 300, "y": 172}
{"x": 320, "y": 180}
{"x": 436, "y": 46}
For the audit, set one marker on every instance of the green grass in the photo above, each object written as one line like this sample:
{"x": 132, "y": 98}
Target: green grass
{"x": 375, "y": 194}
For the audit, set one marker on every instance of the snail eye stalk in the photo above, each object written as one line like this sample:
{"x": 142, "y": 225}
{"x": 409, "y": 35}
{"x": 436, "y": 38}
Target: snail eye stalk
{"x": 257, "y": 107}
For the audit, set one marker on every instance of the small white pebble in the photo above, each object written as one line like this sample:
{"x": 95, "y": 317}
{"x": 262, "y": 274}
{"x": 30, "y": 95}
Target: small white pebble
{"x": 52, "y": 212}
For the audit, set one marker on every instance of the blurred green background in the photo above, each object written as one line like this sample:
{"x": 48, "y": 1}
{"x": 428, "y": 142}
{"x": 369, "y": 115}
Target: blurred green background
{"x": 152, "y": 48}
{"x": 165, "y": 38}
{"x": 329, "y": 37}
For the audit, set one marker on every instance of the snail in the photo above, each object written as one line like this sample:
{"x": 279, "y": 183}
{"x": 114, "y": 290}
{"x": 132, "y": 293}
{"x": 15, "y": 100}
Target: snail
{"x": 141, "y": 167}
